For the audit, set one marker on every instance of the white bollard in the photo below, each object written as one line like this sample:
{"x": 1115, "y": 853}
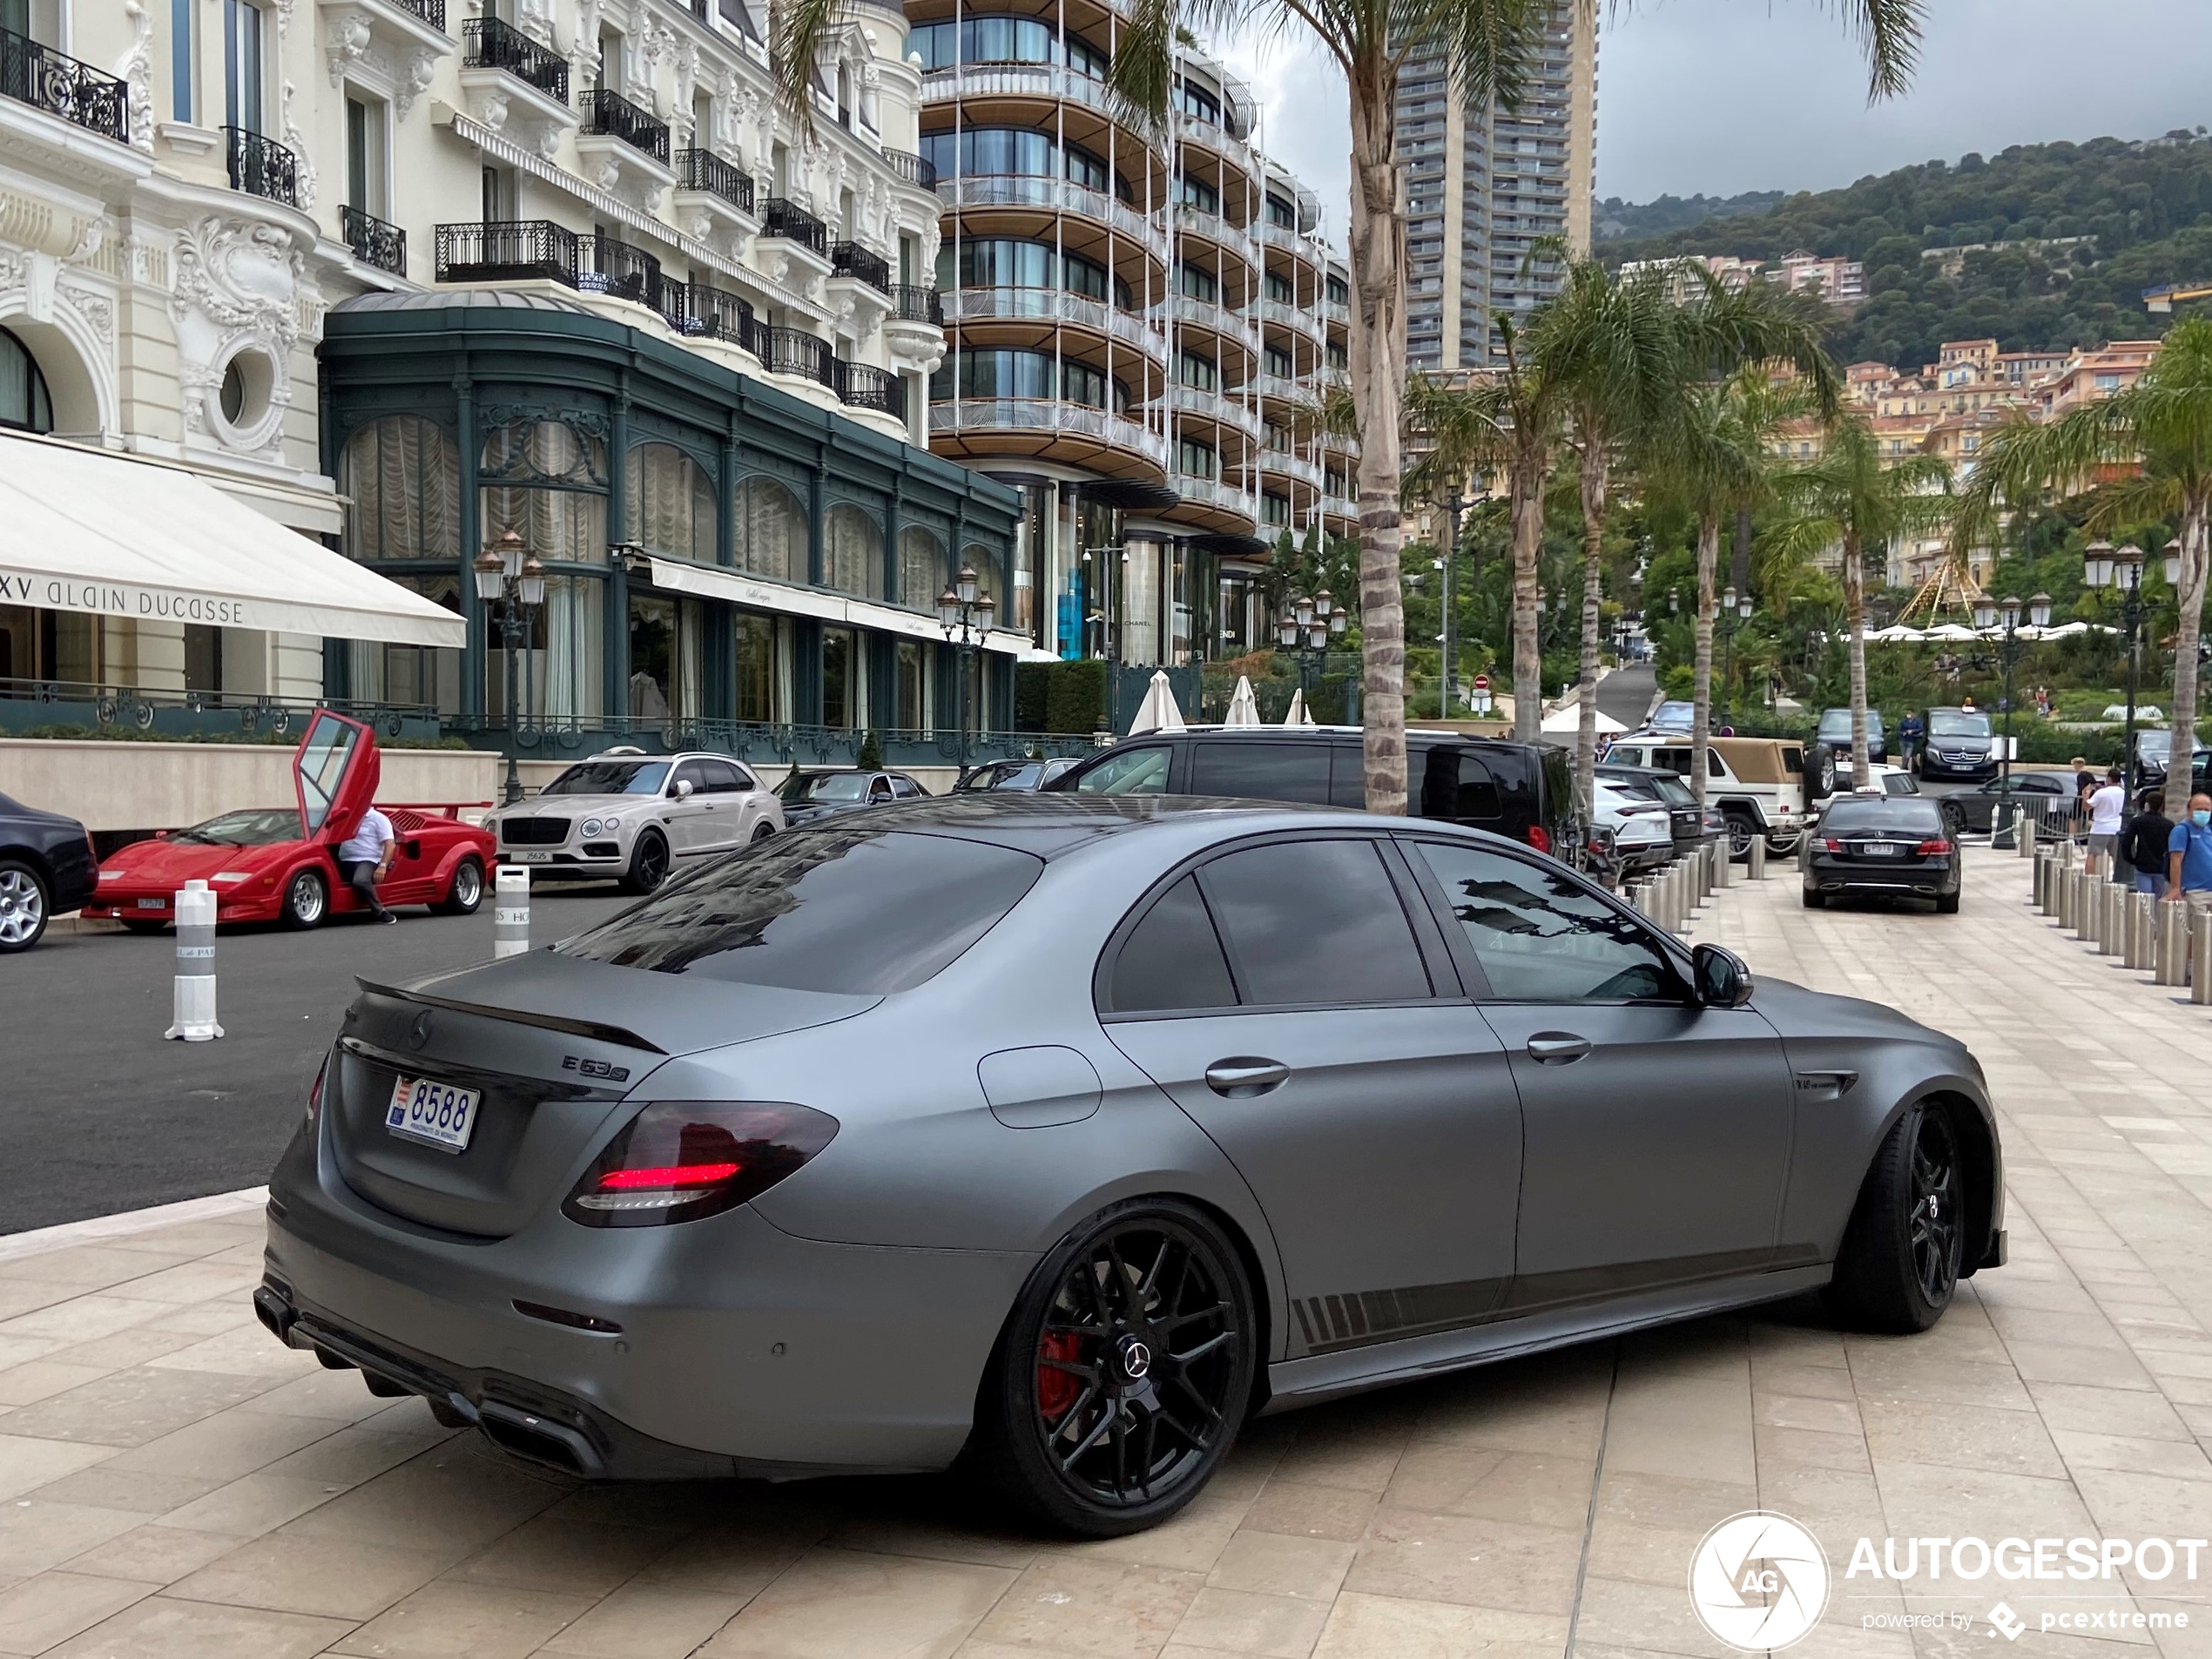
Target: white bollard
{"x": 192, "y": 1003}
{"x": 511, "y": 911}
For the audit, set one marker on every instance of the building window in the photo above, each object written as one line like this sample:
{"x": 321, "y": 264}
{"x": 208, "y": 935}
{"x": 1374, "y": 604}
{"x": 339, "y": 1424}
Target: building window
{"x": 1196, "y": 284}
{"x": 671, "y": 504}
{"x": 1275, "y": 361}
{"x": 769, "y": 538}
{"x": 1010, "y": 262}
{"x": 244, "y": 76}
{"x": 1281, "y": 290}
{"x": 365, "y": 176}
{"x": 546, "y": 481}
{"x": 1196, "y": 192}
{"x": 990, "y": 150}
{"x": 1192, "y": 369}
{"x": 666, "y": 637}
{"x": 184, "y": 60}
{"x": 910, "y": 710}
{"x": 424, "y": 676}
{"x": 921, "y": 568}
{"x": 25, "y": 404}
{"x": 840, "y": 675}
{"x": 852, "y": 552}
{"x": 1198, "y": 103}
{"x": 1029, "y": 375}
{"x": 1275, "y": 509}
{"x": 561, "y": 670}
{"x": 1281, "y": 212}
{"x": 753, "y": 658}
{"x": 1196, "y": 460}
{"x": 402, "y": 479}
{"x": 996, "y": 39}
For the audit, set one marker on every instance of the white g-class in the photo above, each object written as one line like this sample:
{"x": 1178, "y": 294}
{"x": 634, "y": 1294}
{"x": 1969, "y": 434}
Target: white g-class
{"x": 1757, "y": 784}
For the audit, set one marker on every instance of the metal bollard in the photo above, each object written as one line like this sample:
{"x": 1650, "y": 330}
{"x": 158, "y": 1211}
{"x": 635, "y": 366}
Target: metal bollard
{"x": 2142, "y": 918}
{"x": 193, "y": 1001}
{"x": 1723, "y": 871}
{"x": 2046, "y": 864}
{"x": 1633, "y": 894}
{"x": 2113, "y": 940}
{"x": 2027, "y": 834}
{"x": 510, "y": 915}
{"x": 1755, "y": 865}
{"x": 2200, "y": 926}
{"x": 2069, "y": 884}
{"x": 2168, "y": 954}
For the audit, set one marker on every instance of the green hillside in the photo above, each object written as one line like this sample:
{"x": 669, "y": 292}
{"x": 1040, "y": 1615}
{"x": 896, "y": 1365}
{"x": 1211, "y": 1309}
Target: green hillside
{"x": 2075, "y": 232}
{"x": 1614, "y": 220}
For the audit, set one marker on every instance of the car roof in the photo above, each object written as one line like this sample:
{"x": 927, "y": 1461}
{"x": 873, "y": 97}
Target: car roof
{"x": 1053, "y": 826}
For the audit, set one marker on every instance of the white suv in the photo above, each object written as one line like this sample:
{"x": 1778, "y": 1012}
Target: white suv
{"x": 633, "y": 817}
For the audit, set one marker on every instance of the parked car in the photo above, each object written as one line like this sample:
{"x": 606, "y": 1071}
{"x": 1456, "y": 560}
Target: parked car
{"x": 1016, "y": 775}
{"x": 46, "y": 868}
{"x": 1882, "y": 846}
{"x": 2048, "y": 795}
{"x": 1522, "y": 791}
{"x": 1960, "y": 744}
{"x": 1643, "y": 837}
{"x": 1890, "y": 780}
{"x": 628, "y": 816}
{"x": 1672, "y": 717}
{"x": 1131, "y": 1117}
{"x": 280, "y": 864}
{"x": 1760, "y": 785}
{"x": 808, "y": 796}
{"x": 2155, "y": 754}
{"x": 1687, "y": 823}
{"x": 1833, "y": 733}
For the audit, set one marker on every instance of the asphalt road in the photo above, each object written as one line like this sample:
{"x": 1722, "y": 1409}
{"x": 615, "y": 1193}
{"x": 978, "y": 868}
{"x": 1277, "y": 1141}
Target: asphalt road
{"x": 103, "y": 1114}
{"x": 1625, "y": 695}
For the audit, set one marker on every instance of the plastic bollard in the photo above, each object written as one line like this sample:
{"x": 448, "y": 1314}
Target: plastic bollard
{"x": 193, "y": 1001}
{"x": 511, "y": 914}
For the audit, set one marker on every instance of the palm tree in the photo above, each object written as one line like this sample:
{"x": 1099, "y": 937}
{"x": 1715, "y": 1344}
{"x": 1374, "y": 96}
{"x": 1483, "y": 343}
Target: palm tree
{"x": 2161, "y": 427}
{"x": 1487, "y": 46}
{"x": 1845, "y": 494}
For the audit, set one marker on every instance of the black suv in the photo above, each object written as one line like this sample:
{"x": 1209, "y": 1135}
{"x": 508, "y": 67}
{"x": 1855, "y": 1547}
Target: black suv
{"x": 1960, "y": 743}
{"x": 1524, "y": 791}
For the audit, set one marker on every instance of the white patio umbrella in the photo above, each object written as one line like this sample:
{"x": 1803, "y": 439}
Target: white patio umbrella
{"x": 1951, "y": 630}
{"x": 1568, "y": 718}
{"x": 1299, "y": 715}
{"x": 1900, "y": 634}
{"x": 1243, "y": 709}
{"x": 1158, "y": 712}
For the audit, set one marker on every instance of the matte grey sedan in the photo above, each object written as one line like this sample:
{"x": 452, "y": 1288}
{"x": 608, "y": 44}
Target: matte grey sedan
{"x": 1060, "y": 1134}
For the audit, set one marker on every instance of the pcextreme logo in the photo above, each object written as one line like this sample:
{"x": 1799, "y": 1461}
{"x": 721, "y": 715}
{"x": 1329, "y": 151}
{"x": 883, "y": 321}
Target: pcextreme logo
{"x": 1758, "y": 1582}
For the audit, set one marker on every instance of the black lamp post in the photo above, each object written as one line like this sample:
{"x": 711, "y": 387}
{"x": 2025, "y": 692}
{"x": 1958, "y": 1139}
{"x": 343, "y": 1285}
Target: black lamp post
{"x": 1307, "y": 628}
{"x": 1731, "y": 618}
{"x": 966, "y": 609}
{"x": 1988, "y": 614}
{"x": 2105, "y": 566}
{"x": 1454, "y": 506}
{"x": 510, "y": 576}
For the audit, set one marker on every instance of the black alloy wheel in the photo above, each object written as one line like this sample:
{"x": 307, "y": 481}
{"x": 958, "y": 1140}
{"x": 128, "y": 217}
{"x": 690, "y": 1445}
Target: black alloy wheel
{"x": 1898, "y": 1266}
{"x": 648, "y": 863}
{"x": 1934, "y": 1217}
{"x": 1954, "y": 818}
{"x": 1122, "y": 1379}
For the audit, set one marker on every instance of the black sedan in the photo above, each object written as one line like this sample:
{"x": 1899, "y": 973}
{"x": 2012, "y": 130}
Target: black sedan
{"x": 46, "y": 864}
{"x": 809, "y": 795}
{"x": 2048, "y": 795}
{"x": 1892, "y": 846}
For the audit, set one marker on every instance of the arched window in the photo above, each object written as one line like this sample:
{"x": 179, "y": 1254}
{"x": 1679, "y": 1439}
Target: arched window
{"x": 922, "y": 566}
{"x": 770, "y": 536}
{"x": 984, "y": 561}
{"x": 852, "y": 552}
{"x": 403, "y": 480}
{"x": 546, "y": 481}
{"x": 671, "y": 509}
{"x": 24, "y": 401}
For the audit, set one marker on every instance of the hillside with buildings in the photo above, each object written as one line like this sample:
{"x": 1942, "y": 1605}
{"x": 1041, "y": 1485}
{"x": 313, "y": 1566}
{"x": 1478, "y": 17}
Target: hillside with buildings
{"x": 2041, "y": 246}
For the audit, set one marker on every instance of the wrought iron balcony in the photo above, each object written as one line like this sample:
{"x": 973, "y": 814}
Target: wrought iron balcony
{"x": 486, "y": 42}
{"x": 608, "y": 265}
{"x": 609, "y": 112}
{"x": 704, "y": 170}
{"x": 260, "y": 167}
{"x": 713, "y": 313}
{"x": 850, "y": 259}
{"x": 792, "y": 351}
{"x": 915, "y": 170}
{"x": 788, "y": 219}
{"x": 374, "y": 242}
{"x": 867, "y": 387}
{"x": 914, "y": 303}
{"x": 81, "y": 95}
{"x": 506, "y": 251}
{"x": 431, "y": 11}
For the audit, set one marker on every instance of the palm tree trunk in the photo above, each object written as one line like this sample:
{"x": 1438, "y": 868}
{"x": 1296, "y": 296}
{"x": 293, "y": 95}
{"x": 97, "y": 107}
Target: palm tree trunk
{"x": 2197, "y": 528}
{"x": 1593, "y": 483}
{"x": 1378, "y": 389}
{"x": 1739, "y": 568}
{"x": 1855, "y": 608}
{"x": 1700, "y": 727}
{"x": 1526, "y": 490}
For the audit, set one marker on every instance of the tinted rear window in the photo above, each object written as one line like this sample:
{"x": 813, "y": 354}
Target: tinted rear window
{"x": 1888, "y": 814}
{"x": 839, "y": 909}
{"x": 1455, "y": 784}
{"x": 1266, "y": 770}
{"x": 1172, "y": 959}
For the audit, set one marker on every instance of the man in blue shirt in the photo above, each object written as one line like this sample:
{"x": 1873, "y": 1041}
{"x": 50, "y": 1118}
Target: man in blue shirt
{"x": 366, "y": 859}
{"x": 2188, "y": 850}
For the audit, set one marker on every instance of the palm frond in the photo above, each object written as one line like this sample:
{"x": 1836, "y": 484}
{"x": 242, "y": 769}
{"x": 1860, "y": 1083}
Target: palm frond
{"x": 799, "y": 31}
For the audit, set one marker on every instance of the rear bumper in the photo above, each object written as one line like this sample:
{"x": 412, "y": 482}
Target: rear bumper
{"x": 1978, "y": 771}
{"x": 1923, "y": 882}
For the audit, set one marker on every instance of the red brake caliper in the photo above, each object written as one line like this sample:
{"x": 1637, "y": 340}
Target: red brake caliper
{"x": 1057, "y": 1389}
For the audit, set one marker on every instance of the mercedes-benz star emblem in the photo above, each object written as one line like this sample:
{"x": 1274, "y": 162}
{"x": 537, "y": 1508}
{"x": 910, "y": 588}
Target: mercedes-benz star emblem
{"x": 1136, "y": 1359}
{"x": 419, "y": 1033}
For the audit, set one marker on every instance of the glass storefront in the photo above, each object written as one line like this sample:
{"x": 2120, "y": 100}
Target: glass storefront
{"x": 669, "y": 504}
{"x": 667, "y": 657}
{"x": 759, "y": 667}
{"x": 429, "y": 676}
{"x": 910, "y": 711}
{"x": 840, "y": 678}
{"x": 561, "y": 668}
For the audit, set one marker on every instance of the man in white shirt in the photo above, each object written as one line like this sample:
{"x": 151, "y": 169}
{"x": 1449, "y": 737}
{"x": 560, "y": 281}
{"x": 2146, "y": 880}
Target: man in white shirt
{"x": 366, "y": 859}
{"x": 2108, "y": 807}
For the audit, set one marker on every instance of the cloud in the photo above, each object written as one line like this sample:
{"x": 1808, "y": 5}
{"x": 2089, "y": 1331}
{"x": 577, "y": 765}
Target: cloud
{"x": 1304, "y": 123}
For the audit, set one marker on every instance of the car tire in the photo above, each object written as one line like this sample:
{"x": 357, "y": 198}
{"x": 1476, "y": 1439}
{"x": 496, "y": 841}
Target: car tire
{"x": 1080, "y": 1377}
{"x": 306, "y": 900}
{"x": 25, "y": 907}
{"x": 763, "y": 830}
{"x": 1741, "y": 828}
{"x": 648, "y": 863}
{"x": 1898, "y": 1266}
{"x": 1815, "y": 901}
{"x": 1954, "y": 818}
{"x": 465, "y": 893}
{"x": 1947, "y": 904}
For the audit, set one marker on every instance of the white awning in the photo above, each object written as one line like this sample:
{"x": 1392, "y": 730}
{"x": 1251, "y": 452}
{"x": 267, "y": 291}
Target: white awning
{"x": 715, "y": 582}
{"x": 119, "y": 536}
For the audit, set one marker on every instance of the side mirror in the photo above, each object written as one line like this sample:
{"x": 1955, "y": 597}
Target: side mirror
{"x": 682, "y": 789}
{"x": 1722, "y": 980}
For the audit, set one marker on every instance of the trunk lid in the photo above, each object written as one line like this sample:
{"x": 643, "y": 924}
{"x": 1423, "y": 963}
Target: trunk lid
{"x": 553, "y": 1045}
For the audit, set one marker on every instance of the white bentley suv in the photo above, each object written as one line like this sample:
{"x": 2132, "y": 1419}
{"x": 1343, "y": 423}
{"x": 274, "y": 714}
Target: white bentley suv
{"x": 633, "y": 817}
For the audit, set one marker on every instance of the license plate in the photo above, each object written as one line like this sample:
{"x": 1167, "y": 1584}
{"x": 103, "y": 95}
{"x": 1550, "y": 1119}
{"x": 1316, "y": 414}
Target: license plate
{"x": 526, "y": 858}
{"x": 433, "y": 1113}
{"x": 153, "y": 904}
{"x": 1883, "y": 849}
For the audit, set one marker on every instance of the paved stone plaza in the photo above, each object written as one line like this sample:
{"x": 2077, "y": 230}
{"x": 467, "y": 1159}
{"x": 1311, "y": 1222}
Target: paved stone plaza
{"x": 173, "y": 1485}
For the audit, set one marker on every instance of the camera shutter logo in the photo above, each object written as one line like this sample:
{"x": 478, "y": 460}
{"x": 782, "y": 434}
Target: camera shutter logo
{"x": 1758, "y": 1582}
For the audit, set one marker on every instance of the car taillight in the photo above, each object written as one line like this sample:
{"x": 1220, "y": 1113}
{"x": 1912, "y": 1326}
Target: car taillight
{"x": 314, "y": 1094}
{"x": 1539, "y": 837}
{"x": 1929, "y": 849}
{"x": 1833, "y": 845}
{"x": 681, "y": 1160}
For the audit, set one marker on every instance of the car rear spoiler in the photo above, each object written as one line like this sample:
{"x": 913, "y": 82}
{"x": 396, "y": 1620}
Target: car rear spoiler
{"x": 598, "y": 1031}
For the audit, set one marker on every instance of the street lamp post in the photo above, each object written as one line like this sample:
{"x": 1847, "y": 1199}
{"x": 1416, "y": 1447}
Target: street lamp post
{"x": 2105, "y": 566}
{"x": 1988, "y": 614}
{"x": 1307, "y": 628}
{"x": 1732, "y": 618}
{"x": 966, "y": 609}
{"x": 510, "y": 576}
{"x": 1454, "y": 506}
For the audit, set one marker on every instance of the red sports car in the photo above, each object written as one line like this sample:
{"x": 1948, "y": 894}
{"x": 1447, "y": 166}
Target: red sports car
{"x": 281, "y": 863}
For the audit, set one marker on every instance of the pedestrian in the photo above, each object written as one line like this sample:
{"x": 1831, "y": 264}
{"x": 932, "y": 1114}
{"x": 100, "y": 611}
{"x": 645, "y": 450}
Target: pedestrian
{"x": 2144, "y": 843}
{"x": 1910, "y": 730}
{"x": 366, "y": 859}
{"x": 2188, "y": 854}
{"x": 2108, "y": 807}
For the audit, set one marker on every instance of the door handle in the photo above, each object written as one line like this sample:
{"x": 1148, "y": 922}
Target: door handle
{"x": 1244, "y": 1075}
{"x": 1557, "y": 1047}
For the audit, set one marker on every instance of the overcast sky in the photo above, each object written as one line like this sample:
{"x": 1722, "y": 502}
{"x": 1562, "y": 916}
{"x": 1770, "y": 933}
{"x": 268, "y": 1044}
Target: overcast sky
{"x": 1723, "y": 95}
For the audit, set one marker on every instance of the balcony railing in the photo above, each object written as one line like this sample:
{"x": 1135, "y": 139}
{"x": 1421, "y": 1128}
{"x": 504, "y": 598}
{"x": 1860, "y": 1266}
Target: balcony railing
{"x": 260, "y": 167}
{"x": 42, "y": 77}
{"x": 1032, "y": 415}
{"x": 788, "y": 219}
{"x": 506, "y": 251}
{"x": 711, "y": 313}
{"x": 912, "y": 303}
{"x": 704, "y": 170}
{"x": 431, "y": 11}
{"x": 862, "y": 265}
{"x": 608, "y": 112}
{"x": 486, "y": 42}
{"x": 915, "y": 170}
{"x": 374, "y": 242}
{"x": 1061, "y": 195}
{"x": 608, "y": 265}
{"x": 792, "y": 351}
{"x": 867, "y": 387}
